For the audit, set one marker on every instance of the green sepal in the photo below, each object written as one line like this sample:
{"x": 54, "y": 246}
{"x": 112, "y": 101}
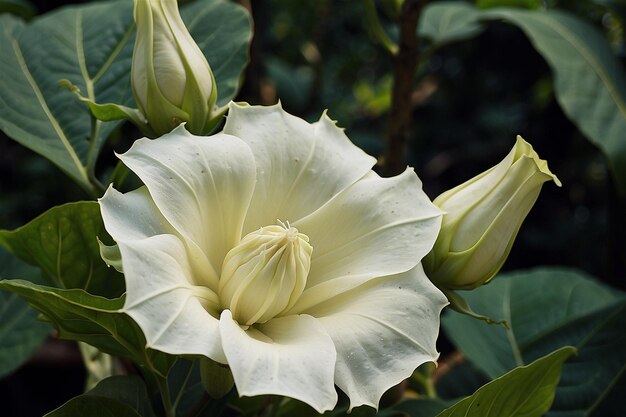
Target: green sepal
{"x": 109, "y": 112}
{"x": 458, "y": 304}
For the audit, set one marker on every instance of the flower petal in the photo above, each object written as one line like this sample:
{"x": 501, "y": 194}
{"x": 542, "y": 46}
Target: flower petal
{"x": 161, "y": 299}
{"x": 382, "y": 331}
{"x": 134, "y": 216}
{"x": 300, "y": 166}
{"x": 291, "y": 356}
{"x": 376, "y": 227}
{"x": 201, "y": 185}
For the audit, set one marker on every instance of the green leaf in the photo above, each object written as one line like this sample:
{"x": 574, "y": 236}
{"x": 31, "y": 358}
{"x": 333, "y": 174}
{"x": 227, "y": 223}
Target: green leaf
{"x": 590, "y": 83}
{"x": 124, "y": 396}
{"x": 63, "y": 243}
{"x": 91, "y": 47}
{"x": 93, "y": 406}
{"x": 449, "y": 21}
{"x": 462, "y": 379}
{"x": 421, "y": 407}
{"x": 526, "y": 391}
{"x": 127, "y": 389}
{"x": 185, "y": 385}
{"x": 20, "y": 331}
{"x": 223, "y": 30}
{"x": 82, "y": 44}
{"x": 98, "y": 321}
{"x": 217, "y": 379}
{"x": 547, "y": 308}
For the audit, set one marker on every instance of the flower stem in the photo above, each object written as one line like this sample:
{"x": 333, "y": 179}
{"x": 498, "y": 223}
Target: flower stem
{"x": 92, "y": 156}
{"x": 423, "y": 376}
{"x": 165, "y": 396}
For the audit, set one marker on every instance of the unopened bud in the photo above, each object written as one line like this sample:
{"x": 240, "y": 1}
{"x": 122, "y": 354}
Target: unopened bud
{"x": 482, "y": 217}
{"x": 171, "y": 79}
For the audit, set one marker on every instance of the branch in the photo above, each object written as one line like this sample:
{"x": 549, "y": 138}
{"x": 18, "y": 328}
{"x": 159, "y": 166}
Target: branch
{"x": 404, "y": 67}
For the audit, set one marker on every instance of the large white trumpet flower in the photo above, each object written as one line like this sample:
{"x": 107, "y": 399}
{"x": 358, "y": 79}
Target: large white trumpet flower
{"x": 274, "y": 248}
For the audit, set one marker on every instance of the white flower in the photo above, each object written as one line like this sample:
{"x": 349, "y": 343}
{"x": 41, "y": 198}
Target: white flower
{"x": 272, "y": 247}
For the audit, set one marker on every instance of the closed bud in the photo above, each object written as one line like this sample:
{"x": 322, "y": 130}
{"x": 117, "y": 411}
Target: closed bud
{"x": 482, "y": 217}
{"x": 171, "y": 79}
{"x": 265, "y": 273}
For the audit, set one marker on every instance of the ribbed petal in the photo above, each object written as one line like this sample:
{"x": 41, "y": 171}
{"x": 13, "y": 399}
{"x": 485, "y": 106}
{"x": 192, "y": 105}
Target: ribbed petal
{"x": 135, "y": 216}
{"x": 162, "y": 300}
{"x": 201, "y": 185}
{"x": 300, "y": 166}
{"x": 376, "y": 227}
{"x": 292, "y": 356}
{"x": 382, "y": 331}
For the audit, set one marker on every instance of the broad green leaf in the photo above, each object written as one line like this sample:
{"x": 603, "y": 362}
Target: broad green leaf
{"x": 527, "y": 391}
{"x": 421, "y": 408}
{"x": 449, "y": 21}
{"x": 548, "y": 308}
{"x": 217, "y": 379}
{"x": 590, "y": 83}
{"x": 20, "y": 331}
{"x": 124, "y": 396}
{"x": 460, "y": 380}
{"x": 91, "y": 47}
{"x": 223, "y": 31}
{"x": 594, "y": 382}
{"x": 81, "y": 44}
{"x": 63, "y": 243}
{"x": 98, "y": 321}
{"x": 128, "y": 389}
{"x": 93, "y": 406}
{"x": 185, "y": 385}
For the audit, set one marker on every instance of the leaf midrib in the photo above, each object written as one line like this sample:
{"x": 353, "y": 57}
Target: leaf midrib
{"x": 596, "y": 328}
{"x": 44, "y": 105}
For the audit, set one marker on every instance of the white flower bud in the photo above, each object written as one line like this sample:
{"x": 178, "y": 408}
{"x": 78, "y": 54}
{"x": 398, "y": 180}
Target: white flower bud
{"x": 482, "y": 218}
{"x": 265, "y": 273}
{"x": 171, "y": 79}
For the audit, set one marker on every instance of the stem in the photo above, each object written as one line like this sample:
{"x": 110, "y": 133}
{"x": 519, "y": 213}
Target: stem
{"x": 92, "y": 156}
{"x": 119, "y": 175}
{"x": 165, "y": 396}
{"x": 404, "y": 67}
{"x": 423, "y": 376}
{"x": 376, "y": 30}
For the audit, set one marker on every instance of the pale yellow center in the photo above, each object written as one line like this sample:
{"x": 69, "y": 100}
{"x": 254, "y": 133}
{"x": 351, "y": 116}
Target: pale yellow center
{"x": 265, "y": 274}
